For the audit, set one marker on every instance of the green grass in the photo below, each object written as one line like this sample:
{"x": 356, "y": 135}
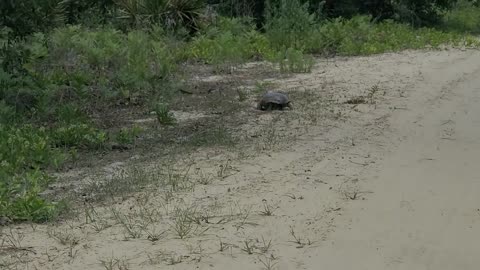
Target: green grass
{"x": 359, "y": 36}
{"x": 53, "y": 84}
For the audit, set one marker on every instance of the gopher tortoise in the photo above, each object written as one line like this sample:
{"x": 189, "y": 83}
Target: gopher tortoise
{"x": 274, "y": 101}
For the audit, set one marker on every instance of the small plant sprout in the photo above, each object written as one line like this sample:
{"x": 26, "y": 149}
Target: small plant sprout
{"x": 164, "y": 115}
{"x": 298, "y": 240}
{"x": 267, "y": 209}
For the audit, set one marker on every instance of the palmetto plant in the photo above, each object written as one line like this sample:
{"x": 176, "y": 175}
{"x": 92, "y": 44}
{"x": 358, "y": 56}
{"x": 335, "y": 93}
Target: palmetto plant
{"x": 170, "y": 13}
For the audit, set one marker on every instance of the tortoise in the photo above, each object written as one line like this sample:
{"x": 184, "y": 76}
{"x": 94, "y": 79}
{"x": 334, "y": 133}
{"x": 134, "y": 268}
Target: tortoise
{"x": 274, "y": 101}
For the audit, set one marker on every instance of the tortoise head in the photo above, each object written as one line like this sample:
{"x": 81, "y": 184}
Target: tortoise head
{"x": 289, "y": 105}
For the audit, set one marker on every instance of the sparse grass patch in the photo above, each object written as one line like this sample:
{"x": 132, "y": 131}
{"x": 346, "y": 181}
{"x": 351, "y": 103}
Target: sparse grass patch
{"x": 64, "y": 237}
{"x": 299, "y": 240}
{"x": 213, "y": 136}
{"x": 169, "y": 258}
{"x": 113, "y": 263}
{"x": 164, "y": 115}
{"x": 183, "y": 222}
{"x": 128, "y": 136}
{"x": 133, "y": 228}
{"x": 295, "y": 61}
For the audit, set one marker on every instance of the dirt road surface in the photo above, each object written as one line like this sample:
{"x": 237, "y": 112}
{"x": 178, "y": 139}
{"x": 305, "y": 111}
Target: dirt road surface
{"x": 423, "y": 212}
{"x": 393, "y": 186}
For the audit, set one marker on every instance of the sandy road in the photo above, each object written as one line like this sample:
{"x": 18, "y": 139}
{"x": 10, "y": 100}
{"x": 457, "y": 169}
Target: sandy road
{"x": 424, "y": 209}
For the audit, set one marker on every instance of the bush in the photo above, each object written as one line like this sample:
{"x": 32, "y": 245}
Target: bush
{"x": 25, "y": 17}
{"x": 24, "y": 153}
{"x": 229, "y": 42}
{"x": 289, "y": 24}
{"x": 128, "y": 136}
{"x": 104, "y": 65}
{"x": 465, "y": 17}
{"x": 172, "y": 14}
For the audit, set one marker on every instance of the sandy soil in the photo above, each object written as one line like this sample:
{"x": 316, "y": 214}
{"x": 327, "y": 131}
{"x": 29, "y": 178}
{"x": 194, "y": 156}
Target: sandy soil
{"x": 389, "y": 184}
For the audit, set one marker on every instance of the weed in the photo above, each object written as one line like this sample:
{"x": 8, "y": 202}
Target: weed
{"x": 242, "y": 95}
{"x": 12, "y": 240}
{"x": 183, "y": 224}
{"x": 123, "y": 183}
{"x": 298, "y": 240}
{"x": 178, "y": 181}
{"x": 371, "y": 93}
{"x": 164, "y": 116}
{"x": 248, "y": 247}
{"x": 265, "y": 246}
{"x": 291, "y": 196}
{"x": 269, "y": 262}
{"x": 214, "y": 136}
{"x": 93, "y": 218}
{"x": 262, "y": 87}
{"x": 65, "y": 237}
{"x": 153, "y": 235}
{"x": 204, "y": 179}
{"x": 130, "y": 224}
{"x": 223, "y": 169}
{"x": 353, "y": 194}
{"x": 113, "y": 263}
{"x": 243, "y": 214}
{"x": 223, "y": 246}
{"x": 166, "y": 257}
{"x": 270, "y": 136}
{"x": 79, "y": 135}
{"x": 267, "y": 209}
{"x": 295, "y": 61}
{"x": 127, "y": 136}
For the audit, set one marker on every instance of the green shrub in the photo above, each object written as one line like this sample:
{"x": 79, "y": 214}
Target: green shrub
{"x": 24, "y": 153}
{"x": 78, "y": 135}
{"x": 20, "y": 198}
{"x": 127, "y": 136}
{"x": 465, "y": 17}
{"x": 26, "y": 147}
{"x": 289, "y": 24}
{"x": 229, "y": 42}
{"x": 104, "y": 65}
{"x": 172, "y": 14}
{"x": 25, "y": 17}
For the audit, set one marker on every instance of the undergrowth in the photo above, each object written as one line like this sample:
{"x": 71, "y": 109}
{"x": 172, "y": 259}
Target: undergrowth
{"x": 463, "y": 18}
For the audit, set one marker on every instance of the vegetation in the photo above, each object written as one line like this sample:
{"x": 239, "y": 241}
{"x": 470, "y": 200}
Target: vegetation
{"x": 65, "y": 64}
